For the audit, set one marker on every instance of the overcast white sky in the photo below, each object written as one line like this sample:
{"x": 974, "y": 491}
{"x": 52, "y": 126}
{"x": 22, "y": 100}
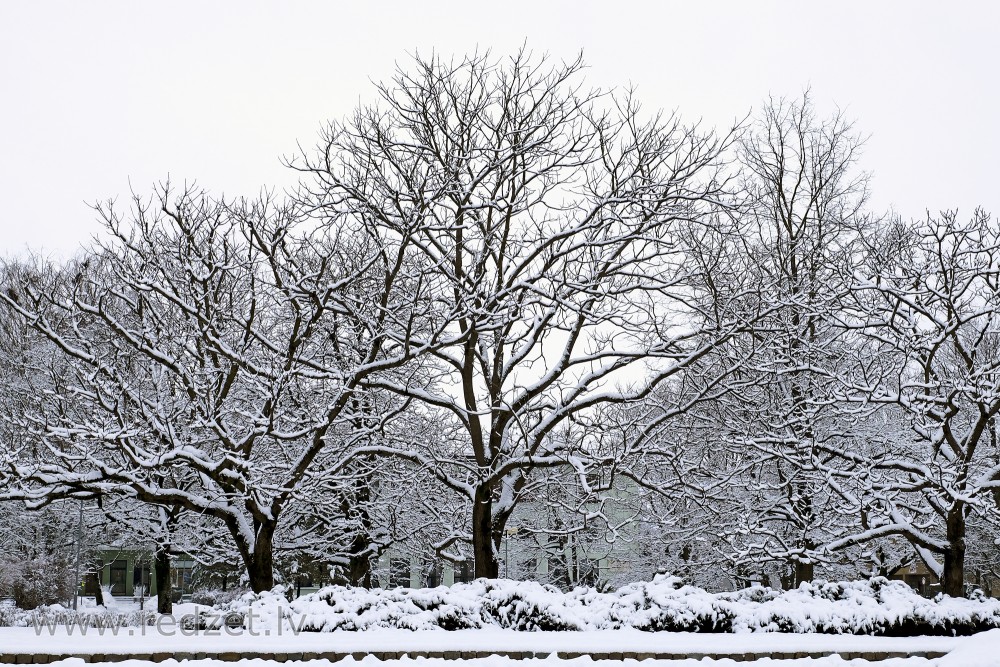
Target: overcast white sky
{"x": 95, "y": 95}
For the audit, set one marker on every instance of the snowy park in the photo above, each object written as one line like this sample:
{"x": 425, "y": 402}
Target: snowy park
{"x": 451, "y": 332}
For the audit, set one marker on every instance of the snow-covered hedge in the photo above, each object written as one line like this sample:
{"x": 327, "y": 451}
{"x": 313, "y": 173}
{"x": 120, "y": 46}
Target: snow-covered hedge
{"x": 215, "y": 598}
{"x": 875, "y": 607}
{"x": 57, "y": 615}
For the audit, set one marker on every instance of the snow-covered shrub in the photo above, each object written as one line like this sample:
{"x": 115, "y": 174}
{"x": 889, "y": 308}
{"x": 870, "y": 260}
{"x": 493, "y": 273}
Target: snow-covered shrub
{"x": 213, "y": 598}
{"x": 231, "y": 613}
{"x": 347, "y": 608}
{"x": 44, "y": 580}
{"x": 876, "y": 607}
{"x": 527, "y": 605}
{"x": 665, "y": 604}
{"x": 56, "y": 615}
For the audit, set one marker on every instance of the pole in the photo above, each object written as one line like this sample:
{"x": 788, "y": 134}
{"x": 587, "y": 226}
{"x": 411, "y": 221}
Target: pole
{"x": 142, "y": 583}
{"x": 506, "y": 557}
{"x": 76, "y": 576}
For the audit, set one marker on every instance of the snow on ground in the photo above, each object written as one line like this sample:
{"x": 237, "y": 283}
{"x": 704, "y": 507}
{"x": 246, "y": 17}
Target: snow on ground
{"x": 386, "y": 621}
{"x": 147, "y": 640}
{"x": 830, "y": 661}
{"x": 982, "y": 650}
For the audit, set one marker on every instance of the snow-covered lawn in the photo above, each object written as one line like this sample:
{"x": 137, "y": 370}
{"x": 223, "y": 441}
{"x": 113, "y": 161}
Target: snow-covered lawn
{"x": 982, "y": 650}
{"x": 829, "y": 661}
{"x": 148, "y": 640}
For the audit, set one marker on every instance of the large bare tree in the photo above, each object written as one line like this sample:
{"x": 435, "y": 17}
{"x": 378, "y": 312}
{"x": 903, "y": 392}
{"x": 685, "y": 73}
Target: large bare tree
{"x": 927, "y": 302}
{"x": 212, "y": 355}
{"x": 553, "y": 221}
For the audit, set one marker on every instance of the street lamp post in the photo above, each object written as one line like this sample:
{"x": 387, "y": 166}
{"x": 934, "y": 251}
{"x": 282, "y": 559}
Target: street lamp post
{"x": 142, "y": 583}
{"x": 76, "y": 575}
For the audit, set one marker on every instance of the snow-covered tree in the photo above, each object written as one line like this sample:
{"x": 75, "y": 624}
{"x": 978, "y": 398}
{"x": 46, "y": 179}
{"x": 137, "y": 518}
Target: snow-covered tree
{"x": 927, "y": 302}
{"x": 213, "y": 352}
{"x": 553, "y": 220}
{"x": 728, "y": 451}
{"x": 803, "y": 219}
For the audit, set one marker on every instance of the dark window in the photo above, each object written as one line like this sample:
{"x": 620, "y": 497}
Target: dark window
{"x": 527, "y": 569}
{"x": 590, "y": 572}
{"x": 181, "y": 577}
{"x": 117, "y": 579}
{"x": 596, "y": 478}
{"x": 140, "y": 578}
{"x": 464, "y": 572}
{"x": 432, "y": 574}
{"x": 399, "y": 573}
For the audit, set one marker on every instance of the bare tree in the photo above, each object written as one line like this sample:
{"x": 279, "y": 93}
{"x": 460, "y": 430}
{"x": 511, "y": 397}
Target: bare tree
{"x": 804, "y": 217}
{"x": 928, "y": 304}
{"x": 734, "y": 435}
{"x": 552, "y": 221}
{"x": 213, "y": 353}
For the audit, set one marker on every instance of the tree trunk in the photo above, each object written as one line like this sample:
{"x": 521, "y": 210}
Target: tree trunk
{"x": 953, "y": 575}
{"x": 359, "y": 562}
{"x": 161, "y": 570}
{"x": 803, "y": 572}
{"x": 260, "y": 568}
{"x": 99, "y": 593}
{"x": 359, "y": 569}
{"x": 483, "y": 545}
{"x": 258, "y": 558}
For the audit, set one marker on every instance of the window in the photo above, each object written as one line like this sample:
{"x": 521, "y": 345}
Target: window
{"x": 464, "y": 572}
{"x": 590, "y": 572}
{"x": 117, "y": 578}
{"x": 526, "y": 569}
{"x": 432, "y": 574}
{"x": 180, "y": 577}
{"x": 399, "y": 573}
{"x": 140, "y": 578}
{"x": 596, "y": 478}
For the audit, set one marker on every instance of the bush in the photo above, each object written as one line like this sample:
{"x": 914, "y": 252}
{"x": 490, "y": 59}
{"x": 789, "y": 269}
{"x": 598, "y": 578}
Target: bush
{"x": 45, "y": 580}
{"x": 215, "y": 598}
{"x": 876, "y": 607}
{"x": 57, "y": 615}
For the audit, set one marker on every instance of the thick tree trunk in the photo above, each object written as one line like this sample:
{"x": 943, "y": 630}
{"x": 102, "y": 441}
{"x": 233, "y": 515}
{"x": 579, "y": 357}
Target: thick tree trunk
{"x": 258, "y": 558}
{"x": 359, "y": 570}
{"x": 953, "y": 575}
{"x": 359, "y": 563}
{"x": 260, "y": 568}
{"x": 803, "y": 572}
{"x": 164, "y": 591}
{"x": 483, "y": 539}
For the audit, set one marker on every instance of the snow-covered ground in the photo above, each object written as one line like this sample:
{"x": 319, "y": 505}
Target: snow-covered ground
{"x": 171, "y": 639}
{"x": 829, "y": 661}
{"x": 981, "y": 650}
